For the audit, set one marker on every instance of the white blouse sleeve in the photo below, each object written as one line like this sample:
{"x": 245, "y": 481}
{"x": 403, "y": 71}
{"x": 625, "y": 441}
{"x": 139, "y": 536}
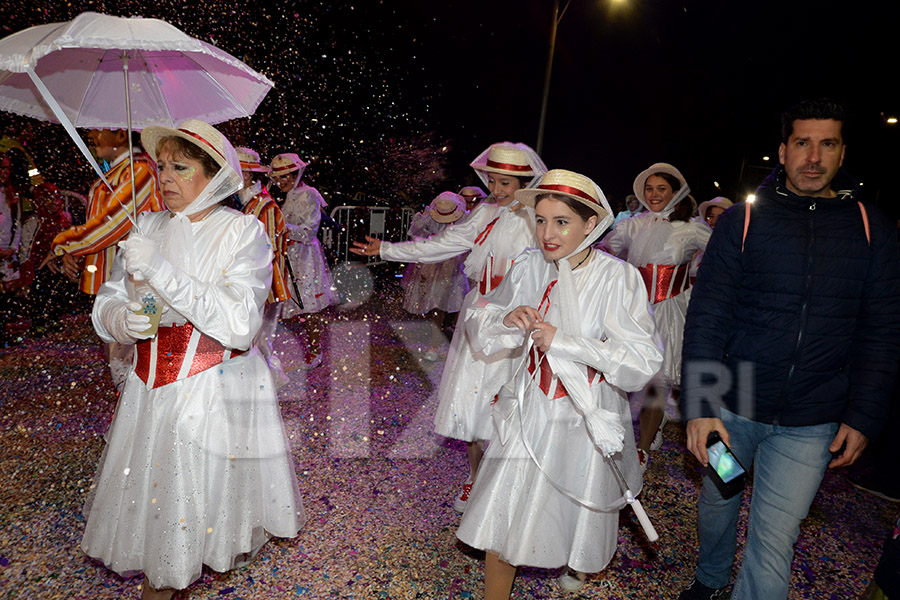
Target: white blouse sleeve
{"x": 228, "y": 308}
{"x": 629, "y": 354}
{"x": 108, "y": 314}
{"x": 451, "y": 242}
{"x": 619, "y": 238}
{"x": 484, "y": 320}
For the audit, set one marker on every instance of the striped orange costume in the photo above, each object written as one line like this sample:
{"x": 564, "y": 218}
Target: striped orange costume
{"x": 264, "y": 208}
{"x": 107, "y": 221}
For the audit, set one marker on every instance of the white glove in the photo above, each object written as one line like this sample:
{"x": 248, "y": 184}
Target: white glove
{"x": 141, "y": 255}
{"x": 135, "y": 325}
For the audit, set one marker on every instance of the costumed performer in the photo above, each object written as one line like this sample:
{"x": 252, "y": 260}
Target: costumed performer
{"x": 256, "y": 201}
{"x": 435, "y": 289}
{"x": 197, "y": 469}
{"x": 493, "y": 234}
{"x": 661, "y": 242}
{"x": 302, "y": 208}
{"x": 547, "y": 494}
{"x": 87, "y": 251}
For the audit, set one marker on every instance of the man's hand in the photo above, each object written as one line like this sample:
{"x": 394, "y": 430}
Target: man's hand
{"x": 72, "y": 266}
{"x": 853, "y": 443}
{"x": 51, "y": 261}
{"x": 698, "y": 431}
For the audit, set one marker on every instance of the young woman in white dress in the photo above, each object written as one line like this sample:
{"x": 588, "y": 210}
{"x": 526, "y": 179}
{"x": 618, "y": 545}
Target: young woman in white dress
{"x": 494, "y": 234}
{"x": 546, "y": 494}
{"x": 661, "y": 242}
{"x": 197, "y": 468}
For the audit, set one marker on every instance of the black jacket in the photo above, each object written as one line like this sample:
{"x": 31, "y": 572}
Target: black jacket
{"x": 805, "y": 319}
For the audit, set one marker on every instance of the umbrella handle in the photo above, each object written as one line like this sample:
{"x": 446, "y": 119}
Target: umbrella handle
{"x": 643, "y": 519}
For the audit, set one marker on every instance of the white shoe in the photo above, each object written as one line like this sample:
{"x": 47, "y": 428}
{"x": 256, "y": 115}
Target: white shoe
{"x": 571, "y": 580}
{"x": 460, "y": 502}
{"x": 643, "y": 459}
{"x": 658, "y": 438}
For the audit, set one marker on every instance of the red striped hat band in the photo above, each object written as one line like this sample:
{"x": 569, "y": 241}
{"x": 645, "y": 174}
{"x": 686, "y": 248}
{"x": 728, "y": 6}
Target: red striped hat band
{"x": 508, "y": 166}
{"x": 194, "y": 135}
{"x": 567, "y": 189}
{"x": 250, "y": 165}
{"x": 285, "y": 169}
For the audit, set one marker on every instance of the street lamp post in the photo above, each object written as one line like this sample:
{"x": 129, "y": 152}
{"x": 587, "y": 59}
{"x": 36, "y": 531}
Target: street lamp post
{"x": 557, "y": 17}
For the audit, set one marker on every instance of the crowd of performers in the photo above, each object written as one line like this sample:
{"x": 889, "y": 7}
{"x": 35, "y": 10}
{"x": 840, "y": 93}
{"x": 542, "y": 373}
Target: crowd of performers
{"x": 557, "y": 327}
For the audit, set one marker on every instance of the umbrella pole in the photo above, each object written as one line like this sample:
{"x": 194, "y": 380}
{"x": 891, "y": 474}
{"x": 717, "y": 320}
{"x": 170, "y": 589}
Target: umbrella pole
{"x": 130, "y": 145}
{"x": 643, "y": 519}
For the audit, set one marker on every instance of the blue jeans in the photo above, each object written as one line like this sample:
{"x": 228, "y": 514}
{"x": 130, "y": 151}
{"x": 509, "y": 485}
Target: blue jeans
{"x": 789, "y": 465}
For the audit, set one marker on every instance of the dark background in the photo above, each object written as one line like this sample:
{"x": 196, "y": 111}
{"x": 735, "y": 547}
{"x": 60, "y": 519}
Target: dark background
{"x": 394, "y": 99}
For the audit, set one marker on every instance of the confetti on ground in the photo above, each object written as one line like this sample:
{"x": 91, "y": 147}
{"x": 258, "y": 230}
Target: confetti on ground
{"x": 376, "y": 483}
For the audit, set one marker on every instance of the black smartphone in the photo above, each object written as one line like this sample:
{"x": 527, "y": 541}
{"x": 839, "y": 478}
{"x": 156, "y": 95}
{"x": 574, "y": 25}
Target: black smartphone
{"x": 726, "y": 471}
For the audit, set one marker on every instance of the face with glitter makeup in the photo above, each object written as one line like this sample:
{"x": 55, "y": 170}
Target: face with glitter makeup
{"x": 559, "y": 229}
{"x": 503, "y": 187}
{"x": 181, "y": 179}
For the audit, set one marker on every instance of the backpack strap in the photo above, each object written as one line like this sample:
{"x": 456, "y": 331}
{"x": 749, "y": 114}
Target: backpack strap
{"x": 862, "y": 210}
{"x": 865, "y": 218}
{"x": 746, "y": 223}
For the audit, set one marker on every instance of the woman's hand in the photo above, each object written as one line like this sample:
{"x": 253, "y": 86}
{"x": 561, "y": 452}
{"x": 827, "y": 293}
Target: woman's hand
{"x": 543, "y": 335}
{"x": 141, "y": 255}
{"x": 372, "y": 247}
{"x": 135, "y": 324}
{"x": 523, "y": 317}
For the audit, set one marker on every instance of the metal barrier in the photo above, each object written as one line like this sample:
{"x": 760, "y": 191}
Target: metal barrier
{"x": 356, "y": 222}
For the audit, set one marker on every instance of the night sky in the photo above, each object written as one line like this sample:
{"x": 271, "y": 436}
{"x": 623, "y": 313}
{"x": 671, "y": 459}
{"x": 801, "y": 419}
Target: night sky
{"x": 394, "y": 99}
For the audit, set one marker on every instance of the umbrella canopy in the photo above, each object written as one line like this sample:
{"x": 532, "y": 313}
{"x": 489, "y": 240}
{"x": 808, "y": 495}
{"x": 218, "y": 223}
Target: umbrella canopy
{"x": 172, "y": 76}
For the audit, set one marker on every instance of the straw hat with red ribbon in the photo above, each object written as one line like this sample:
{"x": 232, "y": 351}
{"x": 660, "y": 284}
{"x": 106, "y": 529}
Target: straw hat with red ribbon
{"x": 250, "y": 160}
{"x": 447, "y": 207}
{"x": 286, "y": 163}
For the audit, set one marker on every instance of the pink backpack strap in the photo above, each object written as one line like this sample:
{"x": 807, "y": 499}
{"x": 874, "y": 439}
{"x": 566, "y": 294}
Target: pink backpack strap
{"x": 865, "y": 217}
{"x": 746, "y": 223}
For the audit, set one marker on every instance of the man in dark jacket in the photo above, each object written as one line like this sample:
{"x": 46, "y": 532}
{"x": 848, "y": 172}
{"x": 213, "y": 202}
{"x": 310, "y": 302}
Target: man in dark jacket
{"x": 790, "y": 349}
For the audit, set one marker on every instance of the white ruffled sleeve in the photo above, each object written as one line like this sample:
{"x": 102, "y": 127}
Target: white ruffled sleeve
{"x": 108, "y": 314}
{"x": 629, "y": 354}
{"x": 451, "y": 242}
{"x": 229, "y": 308}
{"x": 484, "y": 320}
{"x": 619, "y": 238}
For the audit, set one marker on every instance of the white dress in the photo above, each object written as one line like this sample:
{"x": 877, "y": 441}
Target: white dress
{"x": 514, "y": 508}
{"x": 197, "y": 471}
{"x": 429, "y": 286}
{"x": 302, "y": 213}
{"x": 651, "y": 239}
{"x": 471, "y": 379}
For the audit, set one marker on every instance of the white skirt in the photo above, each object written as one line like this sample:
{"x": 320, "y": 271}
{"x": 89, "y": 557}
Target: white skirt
{"x": 469, "y": 383}
{"x": 195, "y": 472}
{"x": 313, "y": 279}
{"x": 441, "y": 286}
{"x": 670, "y": 316}
{"x": 517, "y": 512}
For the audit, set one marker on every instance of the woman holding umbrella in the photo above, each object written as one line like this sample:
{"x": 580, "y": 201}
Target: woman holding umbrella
{"x": 549, "y": 489}
{"x": 197, "y": 469}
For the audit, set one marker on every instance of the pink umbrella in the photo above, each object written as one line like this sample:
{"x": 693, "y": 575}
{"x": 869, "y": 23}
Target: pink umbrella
{"x": 99, "y": 71}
